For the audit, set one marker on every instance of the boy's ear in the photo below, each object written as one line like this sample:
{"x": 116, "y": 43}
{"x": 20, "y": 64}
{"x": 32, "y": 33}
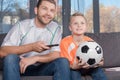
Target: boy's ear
{"x": 35, "y": 10}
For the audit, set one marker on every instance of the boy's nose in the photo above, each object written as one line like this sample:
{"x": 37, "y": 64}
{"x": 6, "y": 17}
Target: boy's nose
{"x": 79, "y": 25}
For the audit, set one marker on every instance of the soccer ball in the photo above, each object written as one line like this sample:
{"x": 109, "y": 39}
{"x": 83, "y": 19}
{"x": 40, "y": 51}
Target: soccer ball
{"x": 90, "y": 52}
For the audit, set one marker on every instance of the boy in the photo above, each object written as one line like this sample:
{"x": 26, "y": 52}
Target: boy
{"x": 69, "y": 45}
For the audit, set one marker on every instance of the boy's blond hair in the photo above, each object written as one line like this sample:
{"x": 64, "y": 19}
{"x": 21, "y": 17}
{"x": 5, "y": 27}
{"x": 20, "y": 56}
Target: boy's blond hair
{"x": 77, "y": 14}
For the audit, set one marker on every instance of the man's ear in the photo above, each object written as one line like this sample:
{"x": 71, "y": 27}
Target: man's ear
{"x": 35, "y": 10}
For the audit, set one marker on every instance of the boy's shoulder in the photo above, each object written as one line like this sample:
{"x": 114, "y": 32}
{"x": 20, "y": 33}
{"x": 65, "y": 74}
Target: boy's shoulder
{"x": 67, "y": 38}
{"x": 87, "y": 38}
{"x": 70, "y": 38}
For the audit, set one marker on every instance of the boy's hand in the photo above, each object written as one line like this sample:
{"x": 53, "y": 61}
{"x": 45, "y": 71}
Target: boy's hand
{"x": 81, "y": 63}
{"x": 74, "y": 66}
{"x": 87, "y": 66}
{"x": 100, "y": 63}
{"x": 77, "y": 64}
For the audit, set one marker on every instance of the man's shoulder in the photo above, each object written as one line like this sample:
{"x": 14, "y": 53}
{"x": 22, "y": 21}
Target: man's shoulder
{"x": 54, "y": 24}
{"x": 26, "y": 21}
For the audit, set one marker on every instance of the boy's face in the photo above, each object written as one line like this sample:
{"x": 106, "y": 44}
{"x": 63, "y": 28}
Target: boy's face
{"x": 46, "y": 12}
{"x": 78, "y": 25}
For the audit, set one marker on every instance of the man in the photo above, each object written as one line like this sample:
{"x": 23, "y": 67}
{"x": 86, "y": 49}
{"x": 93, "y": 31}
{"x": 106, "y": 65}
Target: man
{"x": 25, "y": 48}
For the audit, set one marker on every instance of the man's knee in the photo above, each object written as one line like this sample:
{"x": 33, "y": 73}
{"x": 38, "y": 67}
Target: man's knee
{"x": 11, "y": 58}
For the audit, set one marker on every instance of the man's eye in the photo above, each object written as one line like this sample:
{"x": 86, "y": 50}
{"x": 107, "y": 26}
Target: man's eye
{"x": 53, "y": 11}
{"x": 75, "y": 23}
{"x": 44, "y": 8}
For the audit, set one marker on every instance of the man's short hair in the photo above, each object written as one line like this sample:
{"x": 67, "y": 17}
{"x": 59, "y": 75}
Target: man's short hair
{"x": 40, "y": 1}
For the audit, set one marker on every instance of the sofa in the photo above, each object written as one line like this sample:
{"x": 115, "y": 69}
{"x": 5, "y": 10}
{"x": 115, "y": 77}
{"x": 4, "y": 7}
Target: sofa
{"x": 111, "y": 48}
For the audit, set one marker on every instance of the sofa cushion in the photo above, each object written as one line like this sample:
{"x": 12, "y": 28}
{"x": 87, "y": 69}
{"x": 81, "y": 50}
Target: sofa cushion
{"x": 88, "y": 77}
{"x": 36, "y": 78}
{"x": 1, "y": 64}
{"x": 1, "y": 75}
{"x": 113, "y": 75}
{"x": 31, "y": 77}
{"x": 42, "y": 77}
{"x": 2, "y": 36}
{"x": 110, "y": 42}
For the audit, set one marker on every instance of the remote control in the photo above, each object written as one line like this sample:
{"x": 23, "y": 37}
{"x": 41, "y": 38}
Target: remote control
{"x": 53, "y": 45}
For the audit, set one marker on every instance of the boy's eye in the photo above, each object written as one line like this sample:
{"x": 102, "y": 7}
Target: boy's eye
{"x": 78, "y": 23}
{"x": 82, "y": 23}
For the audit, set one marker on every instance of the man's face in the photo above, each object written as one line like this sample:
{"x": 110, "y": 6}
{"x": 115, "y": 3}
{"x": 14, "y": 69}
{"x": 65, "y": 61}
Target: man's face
{"x": 46, "y": 12}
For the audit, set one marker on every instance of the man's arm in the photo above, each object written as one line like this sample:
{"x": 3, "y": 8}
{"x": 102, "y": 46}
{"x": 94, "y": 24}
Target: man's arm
{"x": 37, "y": 47}
{"x": 25, "y": 62}
{"x": 5, "y": 50}
{"x": 48, "y": 57}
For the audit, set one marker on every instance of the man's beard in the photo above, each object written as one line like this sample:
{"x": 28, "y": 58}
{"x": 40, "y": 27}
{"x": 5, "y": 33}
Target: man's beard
{"x": 41, "y": 21}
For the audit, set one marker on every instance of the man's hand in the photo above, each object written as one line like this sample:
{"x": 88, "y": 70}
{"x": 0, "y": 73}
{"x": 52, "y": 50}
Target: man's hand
{"x": 25, "y": 62}
{"x": 39, "y": 46}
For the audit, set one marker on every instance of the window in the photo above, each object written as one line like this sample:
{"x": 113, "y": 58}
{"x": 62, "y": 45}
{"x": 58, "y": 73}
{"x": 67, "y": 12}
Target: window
{"x": 58, "y": 16}
{"x": 109, "y": 15}
{"x": 11, "y": 12}
{"x": 17, "y": 10}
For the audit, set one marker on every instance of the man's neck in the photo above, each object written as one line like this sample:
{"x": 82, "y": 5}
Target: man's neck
{"x": 38, "y": 24}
